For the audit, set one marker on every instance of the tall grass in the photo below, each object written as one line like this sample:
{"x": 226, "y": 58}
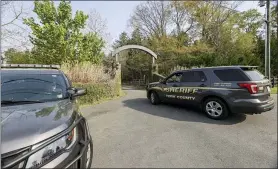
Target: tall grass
{"x": 100, "y": 81}
{"x": 86, "y": 72}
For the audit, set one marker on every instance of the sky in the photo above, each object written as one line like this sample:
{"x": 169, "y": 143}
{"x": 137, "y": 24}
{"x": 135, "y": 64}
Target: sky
{"x": 116, "y": 14}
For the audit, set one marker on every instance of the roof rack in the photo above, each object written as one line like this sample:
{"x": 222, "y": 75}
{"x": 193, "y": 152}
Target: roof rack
{"x": 238, "y": 66}
{"x": 30, "y": 66}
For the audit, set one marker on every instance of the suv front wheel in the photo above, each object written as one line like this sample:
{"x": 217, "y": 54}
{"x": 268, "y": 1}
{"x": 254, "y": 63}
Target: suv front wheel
{"x": 215, "y": 108}
{"x": 154, "y": 98}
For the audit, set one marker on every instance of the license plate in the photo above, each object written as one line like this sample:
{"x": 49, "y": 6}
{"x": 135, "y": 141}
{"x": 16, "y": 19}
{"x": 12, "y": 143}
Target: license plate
{"x": 268, "y": 88}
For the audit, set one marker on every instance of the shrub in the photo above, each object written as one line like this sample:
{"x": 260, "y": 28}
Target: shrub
{"x": 101, "y": 84}
{"x": 97, "y": 92}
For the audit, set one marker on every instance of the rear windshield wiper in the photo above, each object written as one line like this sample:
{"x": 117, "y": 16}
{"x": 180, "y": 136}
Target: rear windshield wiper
{"x": 20, "y": 101}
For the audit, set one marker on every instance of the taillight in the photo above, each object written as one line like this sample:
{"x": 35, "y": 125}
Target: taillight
{"x": 252, "y": 87}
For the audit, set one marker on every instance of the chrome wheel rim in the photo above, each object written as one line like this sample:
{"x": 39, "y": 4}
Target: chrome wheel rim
{"x": 88, "y": 156}
{"x": 152, "y": 97}
{"x": 214, "y": 109}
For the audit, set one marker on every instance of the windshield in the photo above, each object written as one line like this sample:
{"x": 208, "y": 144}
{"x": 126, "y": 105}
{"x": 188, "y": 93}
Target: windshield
{"x": 32, "y": 87}
{"x": 254, "y": 75}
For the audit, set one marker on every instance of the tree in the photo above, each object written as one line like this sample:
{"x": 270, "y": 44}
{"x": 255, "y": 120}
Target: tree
{"x": 137, "y": 60}
{"x": 57, "y": 36}
{"x": 96, "y": 24}
{"x": 180, "y": 17}
{"x": 210, "y": 17}
{"x": 152, "y": 18}
{"x": 250, "y": 21}
{"x": 91, "y": 48}
{"x": 123, "y": 40}
{"x": 198, "y": 33}
{"x": 18, "y": 57}
{"x": 10, "y": 6}
{"x": 274, "y": 16}
{"x": 135, "y": 63}
{"x": 230, "y": 33}
{"x": 13, "y": 33}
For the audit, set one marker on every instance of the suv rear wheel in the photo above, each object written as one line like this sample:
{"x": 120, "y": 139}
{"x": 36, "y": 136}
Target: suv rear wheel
{"x": 215, "y": 108}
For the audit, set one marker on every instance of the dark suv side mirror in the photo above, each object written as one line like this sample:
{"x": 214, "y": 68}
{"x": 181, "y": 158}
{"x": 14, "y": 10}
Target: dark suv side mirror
{"x": 162, "y": 80}
{"x": 77, "y": 92}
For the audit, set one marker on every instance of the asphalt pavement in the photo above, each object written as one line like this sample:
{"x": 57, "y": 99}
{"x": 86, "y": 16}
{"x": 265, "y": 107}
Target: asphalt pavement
{"x": 130, "y": 132}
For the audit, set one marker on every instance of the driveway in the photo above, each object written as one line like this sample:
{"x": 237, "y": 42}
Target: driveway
{"x": 130, "y": 132}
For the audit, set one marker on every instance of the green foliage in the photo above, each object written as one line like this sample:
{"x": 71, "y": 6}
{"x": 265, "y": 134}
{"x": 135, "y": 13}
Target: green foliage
{"x": 274, "y": 90}
{"x": 101, "y": 84}
{"x": 250, "y": 21}
{"x": 217, "y": 35}
{"x": 135, "y": 63}
{"x": 260, "y": 51}
{"x": 97, "y": 92}
{"x": 91, "y": 49}
{"x": 274, "y": 54}
{"x": 123, "y": 40}
{"x": 14, "y": 56}
{"x": 201, "y": 33}
{"x": 57, "y": 36}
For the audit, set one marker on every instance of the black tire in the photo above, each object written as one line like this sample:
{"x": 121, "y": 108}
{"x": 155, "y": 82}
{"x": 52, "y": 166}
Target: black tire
{"x": 154, "y": 99}
{"x": 214, "y": 101}
{"x": 92, "y": 153}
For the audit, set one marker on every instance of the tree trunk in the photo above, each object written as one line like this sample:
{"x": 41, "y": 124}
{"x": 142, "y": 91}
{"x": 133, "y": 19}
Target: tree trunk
{"x": 277, "y": 18}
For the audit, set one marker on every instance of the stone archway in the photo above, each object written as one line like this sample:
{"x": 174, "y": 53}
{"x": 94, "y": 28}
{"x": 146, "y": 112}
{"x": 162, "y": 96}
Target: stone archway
{"x": 154, "y": 67}
{"x": 118, "y": 50}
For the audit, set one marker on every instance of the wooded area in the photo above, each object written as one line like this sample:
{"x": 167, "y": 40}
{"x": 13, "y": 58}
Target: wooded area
{"x": 183, "y": 34}
{"x": 196, "y": 34}
{"x": 59, "y": 37}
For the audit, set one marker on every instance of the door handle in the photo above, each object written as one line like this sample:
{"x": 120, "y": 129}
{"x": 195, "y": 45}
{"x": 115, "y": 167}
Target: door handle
{"x": 203, "y": 85}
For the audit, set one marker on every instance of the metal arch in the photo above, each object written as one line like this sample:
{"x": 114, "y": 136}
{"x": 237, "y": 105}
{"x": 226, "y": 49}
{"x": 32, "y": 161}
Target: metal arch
{"x": 115, "y": 52}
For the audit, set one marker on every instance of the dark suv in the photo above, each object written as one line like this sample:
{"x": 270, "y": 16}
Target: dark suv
{"x": 217, "y": 90}
{"x": 41, "y": 124}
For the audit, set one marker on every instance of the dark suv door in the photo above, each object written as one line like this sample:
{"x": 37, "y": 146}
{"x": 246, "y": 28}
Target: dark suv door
{"x": 172, "y": 82}
{"x": 194, "y": 84}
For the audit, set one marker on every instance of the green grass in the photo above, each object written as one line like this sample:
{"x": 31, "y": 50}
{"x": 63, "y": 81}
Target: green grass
{"x": 274, "y": 90}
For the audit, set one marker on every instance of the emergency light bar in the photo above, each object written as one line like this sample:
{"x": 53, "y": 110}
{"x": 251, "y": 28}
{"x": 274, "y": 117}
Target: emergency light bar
{"x": 29, "y": 66}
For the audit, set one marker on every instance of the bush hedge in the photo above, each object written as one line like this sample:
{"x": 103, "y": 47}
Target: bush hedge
{"x": 97, "y": 92}
{"x": 102, "y": 82}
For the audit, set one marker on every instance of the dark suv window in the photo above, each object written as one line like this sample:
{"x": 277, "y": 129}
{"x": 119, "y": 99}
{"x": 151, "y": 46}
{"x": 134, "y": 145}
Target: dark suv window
{"x": 32, "y": 87}
{"x": 174, "y": 78}
{"x": 254, "y": 75}
{"x": 230, "y": 75}
{"x": 193, "y": 76}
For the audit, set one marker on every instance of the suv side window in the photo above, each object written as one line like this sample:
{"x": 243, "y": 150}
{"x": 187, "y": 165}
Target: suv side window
{"x": 230, "y": 75}
{"x": 193, "y": 76}
{"x": 175, "y": 78}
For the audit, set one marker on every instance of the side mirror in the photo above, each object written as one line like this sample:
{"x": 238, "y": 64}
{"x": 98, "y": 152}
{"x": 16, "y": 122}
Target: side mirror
{"x": 77, "y": 92}
{"x": 161, "y": 81}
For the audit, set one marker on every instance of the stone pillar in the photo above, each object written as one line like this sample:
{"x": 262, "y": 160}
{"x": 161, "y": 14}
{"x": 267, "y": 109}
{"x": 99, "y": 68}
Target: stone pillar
{"x": 118, "y": 79}
{"x": 154, "y": 69}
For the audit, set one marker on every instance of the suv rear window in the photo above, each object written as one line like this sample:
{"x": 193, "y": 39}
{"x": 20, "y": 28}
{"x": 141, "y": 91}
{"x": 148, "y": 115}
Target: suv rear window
{"x": 230, "y": 75}
{"x": 254, "y": 75}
